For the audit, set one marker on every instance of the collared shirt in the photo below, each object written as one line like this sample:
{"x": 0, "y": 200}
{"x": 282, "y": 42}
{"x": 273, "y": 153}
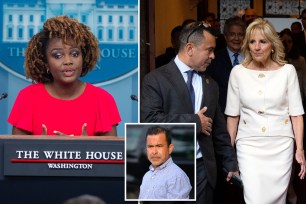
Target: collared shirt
{"x": 198, "y": 90}
{"x": 232, "y": 57}
{"x": 168, "y": 181}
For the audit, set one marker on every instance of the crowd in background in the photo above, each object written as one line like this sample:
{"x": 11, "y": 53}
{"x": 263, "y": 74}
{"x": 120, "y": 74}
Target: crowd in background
{"x": 227, "y": 54}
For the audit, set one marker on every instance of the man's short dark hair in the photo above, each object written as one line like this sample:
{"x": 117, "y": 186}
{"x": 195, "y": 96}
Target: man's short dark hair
{"x": 176, "y": 29}
{"x": 298, "y": 24}
{"x": 155, "y": 130}
{"x": 233, "y": 21}
{"x": 193, "y": 32}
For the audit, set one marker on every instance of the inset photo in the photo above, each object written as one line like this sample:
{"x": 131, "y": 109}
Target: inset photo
{"x": 160, "y": 162}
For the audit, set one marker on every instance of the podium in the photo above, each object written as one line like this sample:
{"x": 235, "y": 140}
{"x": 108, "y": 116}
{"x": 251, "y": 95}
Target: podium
{"x": 52, "y": 169}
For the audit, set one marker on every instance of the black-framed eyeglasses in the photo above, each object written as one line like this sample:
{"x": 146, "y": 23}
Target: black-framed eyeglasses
{"x": 203, "y": 25}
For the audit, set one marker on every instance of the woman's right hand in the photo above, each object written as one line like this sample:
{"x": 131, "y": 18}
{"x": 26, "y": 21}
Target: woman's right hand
{"x": 300, "y": 158}
{"x": 44, "y": 131}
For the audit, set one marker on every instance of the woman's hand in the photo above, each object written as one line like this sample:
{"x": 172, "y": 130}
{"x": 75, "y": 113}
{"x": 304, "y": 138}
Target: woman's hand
{"x": 44, "y": 129}
{"x": 300, "y": 158}
{"x": 84, "y": 131}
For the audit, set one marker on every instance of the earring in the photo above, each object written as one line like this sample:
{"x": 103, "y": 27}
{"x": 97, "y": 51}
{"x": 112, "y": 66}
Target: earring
{"x": 272, "y": 51}
{"x": 48, "y": 71}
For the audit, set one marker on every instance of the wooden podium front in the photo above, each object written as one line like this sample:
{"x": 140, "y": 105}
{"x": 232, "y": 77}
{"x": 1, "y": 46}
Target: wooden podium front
{"x": 52, "y": 169}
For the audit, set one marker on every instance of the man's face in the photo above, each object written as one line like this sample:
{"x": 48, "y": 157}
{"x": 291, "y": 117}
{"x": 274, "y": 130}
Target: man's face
{"x": 158, "y": 151}
{"x": 234, "y": 38}
{"x": 249, "y": 14}
{"x": 203, "y": 54}
{"x": 295, "y": 28}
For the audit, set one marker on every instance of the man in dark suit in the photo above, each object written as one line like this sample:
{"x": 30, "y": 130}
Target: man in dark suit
{"x": 170, "y": 51}
{"x": 219, "y": 70}
{"x": 166, "y": 98}
{"x": 221, "y": 66}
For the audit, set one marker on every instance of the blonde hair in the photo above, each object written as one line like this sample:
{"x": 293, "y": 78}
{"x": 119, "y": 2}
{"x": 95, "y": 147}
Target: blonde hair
{"x": 270, "y": 34}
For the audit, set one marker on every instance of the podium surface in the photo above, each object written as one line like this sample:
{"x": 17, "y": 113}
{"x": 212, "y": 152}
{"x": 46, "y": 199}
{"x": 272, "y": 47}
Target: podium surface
{"x": 52, "y": 169}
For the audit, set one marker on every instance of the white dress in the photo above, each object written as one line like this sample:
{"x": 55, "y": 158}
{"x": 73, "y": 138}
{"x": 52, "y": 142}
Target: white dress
{"x": 264, "y": 100}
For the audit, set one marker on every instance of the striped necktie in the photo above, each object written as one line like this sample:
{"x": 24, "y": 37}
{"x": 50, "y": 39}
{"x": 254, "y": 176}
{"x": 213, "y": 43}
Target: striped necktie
{"x": 236, "y": 62}
{"x": 190, "y": 87}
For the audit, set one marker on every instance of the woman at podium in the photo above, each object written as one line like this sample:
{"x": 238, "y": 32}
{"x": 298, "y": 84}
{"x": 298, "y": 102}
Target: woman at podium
{"x": 58, "y": 102}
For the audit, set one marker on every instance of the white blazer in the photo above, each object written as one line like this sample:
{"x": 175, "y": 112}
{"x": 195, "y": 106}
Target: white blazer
{"x": 264, "y": 100}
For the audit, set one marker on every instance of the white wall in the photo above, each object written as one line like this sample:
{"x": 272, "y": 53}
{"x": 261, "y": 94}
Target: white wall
{"x": 282, "y": 23}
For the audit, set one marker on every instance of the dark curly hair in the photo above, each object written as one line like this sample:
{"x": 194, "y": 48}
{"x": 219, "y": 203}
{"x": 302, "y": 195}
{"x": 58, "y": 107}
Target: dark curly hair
{"x": 67, "y": 29}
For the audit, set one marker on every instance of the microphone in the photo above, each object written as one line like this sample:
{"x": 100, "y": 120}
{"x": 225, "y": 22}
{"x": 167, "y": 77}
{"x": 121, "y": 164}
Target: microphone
{"x": 134, "y": 97}
{"x": 4, "y": 95}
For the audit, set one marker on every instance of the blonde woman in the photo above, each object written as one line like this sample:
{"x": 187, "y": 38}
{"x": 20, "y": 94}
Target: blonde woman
{"x": 264, "y": 110}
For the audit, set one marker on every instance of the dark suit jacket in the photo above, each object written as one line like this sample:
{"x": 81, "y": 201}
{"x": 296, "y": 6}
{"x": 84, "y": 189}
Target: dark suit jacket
{"x": 165, "y": 99}
{"x": 299, "y": 39}
{"x": 220, "y": 70}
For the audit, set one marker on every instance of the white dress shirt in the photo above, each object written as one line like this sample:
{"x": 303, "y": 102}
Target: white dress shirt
{"x": 198, "y": 89}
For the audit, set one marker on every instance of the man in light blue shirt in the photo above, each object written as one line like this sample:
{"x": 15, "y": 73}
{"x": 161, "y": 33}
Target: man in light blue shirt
{"x": 164, "y": 180}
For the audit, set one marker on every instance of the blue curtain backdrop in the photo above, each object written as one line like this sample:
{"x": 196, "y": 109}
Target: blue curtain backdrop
{"x": 115, "y": 24}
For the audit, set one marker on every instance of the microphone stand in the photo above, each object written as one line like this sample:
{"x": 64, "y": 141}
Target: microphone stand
{"x": 3, "y": 96}
{"x": 134, "y": 97}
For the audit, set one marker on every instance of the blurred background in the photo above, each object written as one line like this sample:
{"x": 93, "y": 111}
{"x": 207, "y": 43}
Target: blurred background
{"x": 137, "y": 164}
{"x": 114, "y": 23}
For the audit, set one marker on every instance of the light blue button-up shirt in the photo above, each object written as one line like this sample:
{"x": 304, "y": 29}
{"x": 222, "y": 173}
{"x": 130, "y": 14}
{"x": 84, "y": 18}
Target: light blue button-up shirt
{"x": 168, "y": 181}
{"x": 198, "y": 90}
{"x": 231, "y": 54}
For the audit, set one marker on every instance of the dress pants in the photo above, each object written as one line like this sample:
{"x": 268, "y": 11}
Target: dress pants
{"x": 204, "y": 189}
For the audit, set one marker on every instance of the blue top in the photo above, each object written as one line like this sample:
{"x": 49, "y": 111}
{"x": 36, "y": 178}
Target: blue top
{"x": 168, "y": 181}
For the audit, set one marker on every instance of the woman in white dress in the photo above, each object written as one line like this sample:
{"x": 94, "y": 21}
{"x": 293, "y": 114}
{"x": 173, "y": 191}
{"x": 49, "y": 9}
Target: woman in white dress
{"x": 264, "y": 110}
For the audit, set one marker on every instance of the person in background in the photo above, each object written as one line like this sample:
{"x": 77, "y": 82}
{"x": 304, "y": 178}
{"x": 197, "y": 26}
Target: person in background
{"x": 211, "y": 19}
{"x": 300, "y": 38}
{"x": 170, "y": 51}
{"x": 296, "y": 27}
{"x": 265, "y": 115}
{"x": 293, "y": 57}
{"x": 164, "y": 180}
{"x": 217, "y": 26}
{"x": 249, "y": 15}
{"x": 58, "y": 102}
{"x": 227, "y": 57}
{"x": 181, "y": 92}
